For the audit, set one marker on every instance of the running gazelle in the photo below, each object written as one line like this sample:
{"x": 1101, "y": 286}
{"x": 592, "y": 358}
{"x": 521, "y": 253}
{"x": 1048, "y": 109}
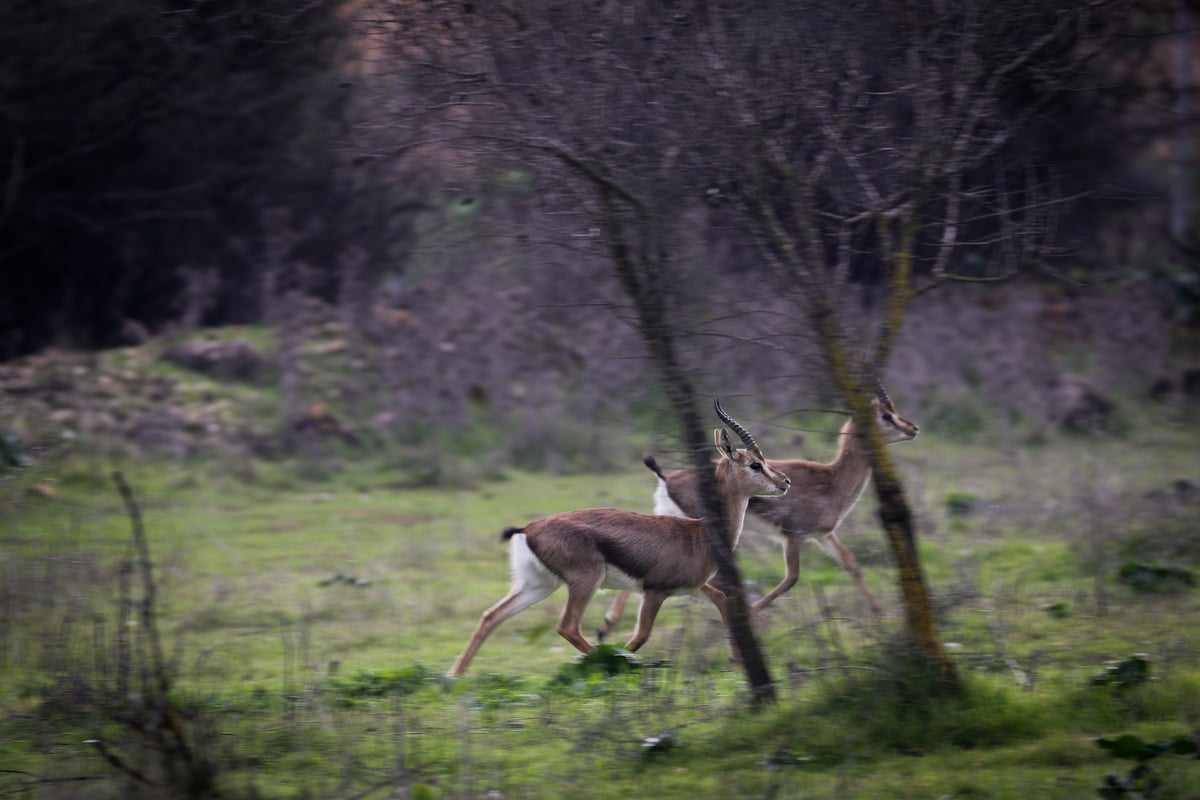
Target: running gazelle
{"x": 822, "y": 495}
{"x": 606, "y": 547}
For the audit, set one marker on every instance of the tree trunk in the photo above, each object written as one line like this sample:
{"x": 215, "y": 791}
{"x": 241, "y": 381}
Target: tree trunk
{"x": 641, "y": 272}
{"x": 896, "y": 518}
{"x": 1181, "y": 173}
{"x": 894, "y": 512}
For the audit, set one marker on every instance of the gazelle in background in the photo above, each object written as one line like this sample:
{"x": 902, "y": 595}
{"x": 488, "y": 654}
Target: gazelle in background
{"x": 656, "y": 555}
{"x": 822, "y": 495}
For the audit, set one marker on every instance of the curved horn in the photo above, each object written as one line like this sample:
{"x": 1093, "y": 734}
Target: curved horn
{"x": 869, "y": 371}
{"x": 882, "y": 394}
{"x": 747, "y": 439}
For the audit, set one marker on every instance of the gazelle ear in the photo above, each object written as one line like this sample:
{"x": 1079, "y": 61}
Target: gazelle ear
{"x": 723, "y": 444}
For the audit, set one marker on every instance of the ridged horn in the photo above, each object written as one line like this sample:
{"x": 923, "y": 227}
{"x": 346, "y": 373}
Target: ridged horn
{"x": 882, "y": 394}
{"x": 747, "y": 439}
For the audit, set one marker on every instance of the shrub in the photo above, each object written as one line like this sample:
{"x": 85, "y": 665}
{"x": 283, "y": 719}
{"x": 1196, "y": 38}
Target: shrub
{"x": 1155, "y": 577}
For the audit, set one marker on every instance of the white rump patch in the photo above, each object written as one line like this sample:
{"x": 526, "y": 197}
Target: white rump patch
{"x": 664, "y": 506}
{"x": 527, "y": 569}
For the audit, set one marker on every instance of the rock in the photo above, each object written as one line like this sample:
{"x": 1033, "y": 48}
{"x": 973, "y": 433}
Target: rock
{"x": 1184, "y": 385}
{"x": 318, "y": 423}
{"x": 133, "y": 333}
{"x": 1076, "y": 405}
{"x": 234, "y": 360}
{"x": 1189, "y": 383}
{"x": 161, "y": 431}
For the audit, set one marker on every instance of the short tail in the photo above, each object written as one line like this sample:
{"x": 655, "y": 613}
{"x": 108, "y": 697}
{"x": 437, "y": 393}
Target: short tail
{"x": 511, "y": 532}
{"x": 652, "y": 465}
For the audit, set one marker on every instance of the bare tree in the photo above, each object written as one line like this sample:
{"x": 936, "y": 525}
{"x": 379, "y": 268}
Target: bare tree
{"x": 880, "y": 145}
{"x": 584, "y": 97}
{"x": 869, "y": 151}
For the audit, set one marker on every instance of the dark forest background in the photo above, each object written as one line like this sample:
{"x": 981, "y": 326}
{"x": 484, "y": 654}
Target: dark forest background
{"x": 169, "y": 166}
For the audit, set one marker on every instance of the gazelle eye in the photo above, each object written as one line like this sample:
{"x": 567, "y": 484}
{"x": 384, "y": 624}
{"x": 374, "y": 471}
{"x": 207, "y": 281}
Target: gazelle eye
{"x": 887, "y": 417}
{"x": 756, "y": 466}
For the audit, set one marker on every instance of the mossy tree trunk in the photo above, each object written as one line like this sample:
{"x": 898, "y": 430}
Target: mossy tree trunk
{"x": 643, "y": 272}
{"x": 795, "y": 257}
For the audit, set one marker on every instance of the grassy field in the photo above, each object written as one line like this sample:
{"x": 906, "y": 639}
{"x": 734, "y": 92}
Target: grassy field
{"x": 306, "y": 618}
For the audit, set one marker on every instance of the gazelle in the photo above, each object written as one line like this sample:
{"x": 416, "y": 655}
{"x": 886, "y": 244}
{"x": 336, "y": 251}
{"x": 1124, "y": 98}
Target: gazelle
{"x": 656, "y": 555}
{"x": 822, "y": 496}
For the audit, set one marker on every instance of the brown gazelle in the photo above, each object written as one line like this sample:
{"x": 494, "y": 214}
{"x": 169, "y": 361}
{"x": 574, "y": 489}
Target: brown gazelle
{"x": 822, "y": 495}
{"x": 656, "y": 555}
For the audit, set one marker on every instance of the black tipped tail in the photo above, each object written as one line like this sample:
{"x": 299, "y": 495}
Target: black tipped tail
{"x": 511, "y": 532}
{"x": 652, "y": 465}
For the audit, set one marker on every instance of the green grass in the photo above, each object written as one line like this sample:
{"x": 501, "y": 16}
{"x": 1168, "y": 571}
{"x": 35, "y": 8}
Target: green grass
{"x": 309, "y": 617}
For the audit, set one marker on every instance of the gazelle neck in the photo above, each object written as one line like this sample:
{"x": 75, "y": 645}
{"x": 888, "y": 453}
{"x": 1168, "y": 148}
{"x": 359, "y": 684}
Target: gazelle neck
{"x": 851, "y": 465}
{"x": 734, "y": 503}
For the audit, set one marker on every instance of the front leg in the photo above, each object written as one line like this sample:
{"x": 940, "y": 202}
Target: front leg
{"x": 718, "y": 599}
{"x": 791, "y": 562}
{"x": 651, "y": 602}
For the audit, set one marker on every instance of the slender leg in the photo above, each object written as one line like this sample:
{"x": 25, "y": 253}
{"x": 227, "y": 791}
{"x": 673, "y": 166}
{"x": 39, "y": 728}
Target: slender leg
{"x": 579, "y": 594}
{"x": 833, "y": 547}
{"x": 718, "y": 598}
{"x": 651, "y": 602}
{"x": 791, "y": 562}
{"x": 517, "y": 600}
{"x": 613, "y": 615}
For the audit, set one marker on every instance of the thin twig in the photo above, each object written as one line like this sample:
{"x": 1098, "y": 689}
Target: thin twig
{"x": 1021, "y": 675}
{"x": 118, "y": 763}
{"x": 41, "y": 780}
{"x": 149, "y": 590}
{"x": 167, "y": 719}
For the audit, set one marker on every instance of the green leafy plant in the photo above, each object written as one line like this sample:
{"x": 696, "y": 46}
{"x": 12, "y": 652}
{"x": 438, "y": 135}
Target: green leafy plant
{"x": 496, "y": 691}
{"x": 1143, "y": 577}
{"x": 961, "y": 504}
{"x": 365, "y": 684}
{"x": 1142, "y": 780}
{"x": 1059, "y": 609}
{"x": 13, "y": 453}
{"x": 606, "y": 661}
{"x": 1125, "y": 674}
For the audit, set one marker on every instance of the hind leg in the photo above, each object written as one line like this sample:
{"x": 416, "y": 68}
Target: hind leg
{"x": 580, "y": 590}
{"x": 791, "y": 563}
{"x": 517, "y": 600}
{"x": 833, "y": 547}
